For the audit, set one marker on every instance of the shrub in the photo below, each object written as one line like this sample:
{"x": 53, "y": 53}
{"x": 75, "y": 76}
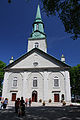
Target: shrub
{"x": 50, "y": 100}
{"x": 64, "y": 103}
{"x": 40, "y": 100}
{"x": 43, "y": 103}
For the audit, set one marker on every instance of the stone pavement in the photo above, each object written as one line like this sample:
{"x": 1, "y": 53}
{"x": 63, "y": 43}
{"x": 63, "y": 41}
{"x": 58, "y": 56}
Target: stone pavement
{"x": 43, "y": 113}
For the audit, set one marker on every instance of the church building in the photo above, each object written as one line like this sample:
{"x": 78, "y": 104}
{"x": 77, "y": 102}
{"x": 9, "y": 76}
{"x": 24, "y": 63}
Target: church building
{"x": 36, "y": 74}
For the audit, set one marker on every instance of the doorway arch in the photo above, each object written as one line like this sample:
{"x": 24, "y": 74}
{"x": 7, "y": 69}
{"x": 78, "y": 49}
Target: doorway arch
{"x": 34, "y": 96}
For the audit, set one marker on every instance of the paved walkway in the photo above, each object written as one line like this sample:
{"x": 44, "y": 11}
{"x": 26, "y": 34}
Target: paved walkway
{"x": 43, "y": 113}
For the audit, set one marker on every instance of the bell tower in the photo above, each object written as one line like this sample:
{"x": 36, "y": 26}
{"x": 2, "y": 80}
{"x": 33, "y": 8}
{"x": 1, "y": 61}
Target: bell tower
{"x": 38, "y": 37}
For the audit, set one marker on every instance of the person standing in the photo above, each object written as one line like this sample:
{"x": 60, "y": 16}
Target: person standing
{"x": 26, "y": 102}
{"x": 22, "y": 107}
{"x": 17, "y": 103}
{"x": 29, "y": 102}
{"x": 5, "y": 103}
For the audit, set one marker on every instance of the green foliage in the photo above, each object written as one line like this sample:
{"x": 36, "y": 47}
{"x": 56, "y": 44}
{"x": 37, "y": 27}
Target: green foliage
{"x": 75, "y": 80}
{"x": 2, "y": 65}
{"x": 69, "y": 13}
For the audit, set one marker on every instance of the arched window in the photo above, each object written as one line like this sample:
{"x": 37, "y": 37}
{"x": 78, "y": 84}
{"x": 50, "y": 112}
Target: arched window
{"x": 15, "y": 82}
{"x": 36, "y": 45}
{"x": 35, "y": 82}
{"x": 56, "y": 81}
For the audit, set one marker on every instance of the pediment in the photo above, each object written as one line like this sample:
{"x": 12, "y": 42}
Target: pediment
{"x": 36, "y": 59}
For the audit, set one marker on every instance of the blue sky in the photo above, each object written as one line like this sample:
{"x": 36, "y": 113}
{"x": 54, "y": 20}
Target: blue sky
{"x": 16, "y": 21}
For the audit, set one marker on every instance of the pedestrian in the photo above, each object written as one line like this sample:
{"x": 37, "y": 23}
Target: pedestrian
{"x": 17, "y": 103}
{"x": 2, "y": 102}
{"x": 26, "y": 102}
{"x": 21, "y": 108}
{"x": 29, "y": 102}
{"x": 0, "y": 105}
{"x": 5, "y": 103}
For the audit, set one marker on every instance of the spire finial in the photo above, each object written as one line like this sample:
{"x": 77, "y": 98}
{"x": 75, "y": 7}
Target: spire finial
{"x": 38, "y": 14}
{"x": 11, "y": 60}
{"x": 63, "y": 58}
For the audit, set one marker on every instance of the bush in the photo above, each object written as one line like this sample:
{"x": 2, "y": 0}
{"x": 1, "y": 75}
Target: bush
{"x": 50, "y": 100}
{"x": 40, "y": 100}
{"x": 43, "y": 103}
{"x": 64, "y": 103}
{"x": 78, "y": 101}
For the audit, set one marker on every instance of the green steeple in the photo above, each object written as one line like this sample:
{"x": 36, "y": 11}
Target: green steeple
{"x": 38, "y": 26}
{"x": 38, "y": 14}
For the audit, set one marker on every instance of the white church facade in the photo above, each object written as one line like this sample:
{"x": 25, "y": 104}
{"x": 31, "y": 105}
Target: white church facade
{"x": 36, "y": 74}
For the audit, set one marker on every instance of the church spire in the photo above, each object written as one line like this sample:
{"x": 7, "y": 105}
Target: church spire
{"x": 38, "y": 37}
{"x": 38, "y": 26}
{"x": 38, "y": 14}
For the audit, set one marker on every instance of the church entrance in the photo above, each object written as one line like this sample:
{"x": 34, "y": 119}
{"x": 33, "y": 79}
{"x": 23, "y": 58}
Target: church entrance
{"x": 13, "y": 96}
{"x": 56, "y": 97}
{"x": 34, "y": 96}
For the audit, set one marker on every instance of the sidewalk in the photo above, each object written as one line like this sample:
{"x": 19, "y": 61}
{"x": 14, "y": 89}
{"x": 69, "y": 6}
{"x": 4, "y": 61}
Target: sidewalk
{"x": 37, "y": 104}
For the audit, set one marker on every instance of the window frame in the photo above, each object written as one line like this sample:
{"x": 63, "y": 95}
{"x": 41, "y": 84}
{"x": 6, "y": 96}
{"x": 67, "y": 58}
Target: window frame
{"x": 35, "y": 82}
{"x": 36, "y": 45}
{"x": 56, "y": 82}
{"x": 14, "y": 81}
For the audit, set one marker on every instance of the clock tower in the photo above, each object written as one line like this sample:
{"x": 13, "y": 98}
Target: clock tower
{"x": 38, "y": 37}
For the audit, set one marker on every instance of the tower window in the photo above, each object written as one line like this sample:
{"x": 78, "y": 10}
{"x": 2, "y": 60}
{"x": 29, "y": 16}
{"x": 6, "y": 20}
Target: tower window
{"x": 35, "y": 82}
{"x": 36, "y": 45}
{"x": 56, "y": 82}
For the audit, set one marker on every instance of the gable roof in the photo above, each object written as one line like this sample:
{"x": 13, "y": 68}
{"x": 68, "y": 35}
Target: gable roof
{"x": 29, "y": 53}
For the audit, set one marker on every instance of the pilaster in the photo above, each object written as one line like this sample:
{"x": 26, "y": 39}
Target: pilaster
{"x": 25, "y": 75}
{"x": 5, "y": 85}
{"x": 45, "y": 95}
{"x": 67, "y": 87}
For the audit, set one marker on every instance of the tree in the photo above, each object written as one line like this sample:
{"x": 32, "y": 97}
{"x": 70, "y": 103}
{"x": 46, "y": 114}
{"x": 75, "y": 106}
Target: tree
{"x": 2, "y": 65}
{"x": 68, "y": 11}
{"x": 75, "y": 80}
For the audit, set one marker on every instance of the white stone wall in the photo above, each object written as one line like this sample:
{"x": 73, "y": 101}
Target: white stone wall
{"x": 55, "y": 90}
{"x": 39, "y": 87}
{"x": 8, "y": 87}
{"x": 45, "y": 88}
{"x": 5, "y": 93}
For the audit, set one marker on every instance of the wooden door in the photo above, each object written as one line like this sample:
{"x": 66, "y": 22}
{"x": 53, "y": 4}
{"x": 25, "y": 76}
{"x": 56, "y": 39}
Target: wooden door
{"x": 34, "y": 96}
{"x": 56, "y": 97}
{"x": 13, "y": 96}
